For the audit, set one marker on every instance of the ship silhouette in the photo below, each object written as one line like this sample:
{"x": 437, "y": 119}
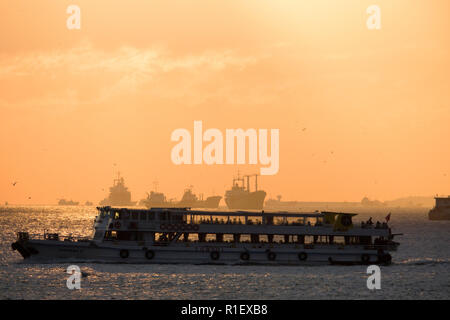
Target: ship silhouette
{"x": 155, "y": 199}
{"x": 64, "y": 202}
{"x": 118, "y": 194}
{"x": 240, "y": 197}
{"x": 441, "y": 210}
{"x": 189, "y": 199}
{"x": 278, "y": 203}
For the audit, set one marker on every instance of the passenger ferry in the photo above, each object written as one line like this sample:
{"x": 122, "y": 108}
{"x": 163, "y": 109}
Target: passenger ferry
{"x": 182, "y": 235}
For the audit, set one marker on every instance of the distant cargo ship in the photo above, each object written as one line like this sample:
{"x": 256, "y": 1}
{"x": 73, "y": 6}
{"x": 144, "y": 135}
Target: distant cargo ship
{"x": 240, "y": 197}
{"x": 277, "y": 203}
{"x": 155, "y": 199}
{"x": 441, "y": 210}
{"x": 118, "y": 194}
{"x": 320, "y": 205}
{"x": 189, "y": 200}
{"x": 64, "y": 202}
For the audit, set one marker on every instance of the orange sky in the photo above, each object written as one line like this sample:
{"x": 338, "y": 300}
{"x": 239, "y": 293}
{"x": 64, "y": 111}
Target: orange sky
{"x": 375, "y": 103}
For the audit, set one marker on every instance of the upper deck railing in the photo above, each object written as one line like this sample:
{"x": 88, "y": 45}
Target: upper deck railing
{"x": 188, "y": 211}
{"x": 338, "y": 220}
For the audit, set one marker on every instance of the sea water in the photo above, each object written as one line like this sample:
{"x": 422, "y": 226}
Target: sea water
{"x": 420, "y": 268}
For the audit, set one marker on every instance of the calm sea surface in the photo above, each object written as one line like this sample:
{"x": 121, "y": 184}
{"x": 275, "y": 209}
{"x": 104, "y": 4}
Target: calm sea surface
{"x": 420, "y": 269}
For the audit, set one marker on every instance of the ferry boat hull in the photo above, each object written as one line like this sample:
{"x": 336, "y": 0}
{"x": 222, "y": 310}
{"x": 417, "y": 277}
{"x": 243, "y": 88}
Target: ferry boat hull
{"x": 182, "y": 235}
{"x": 45, "y": 250}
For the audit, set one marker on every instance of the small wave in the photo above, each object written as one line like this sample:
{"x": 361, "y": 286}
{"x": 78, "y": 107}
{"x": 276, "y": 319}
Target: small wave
{"x": 422, "y": 262}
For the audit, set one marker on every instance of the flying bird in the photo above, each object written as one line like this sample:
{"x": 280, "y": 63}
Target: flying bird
{"x": 14, "y": 183}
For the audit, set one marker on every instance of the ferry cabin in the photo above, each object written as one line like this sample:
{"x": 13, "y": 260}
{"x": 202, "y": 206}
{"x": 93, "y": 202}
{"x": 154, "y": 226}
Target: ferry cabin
{"x": 162, "y": 226}
{"x": 181, "y": 235}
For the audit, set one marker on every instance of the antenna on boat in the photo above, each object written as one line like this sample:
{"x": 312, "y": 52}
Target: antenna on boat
{"x": 155, "y": 185}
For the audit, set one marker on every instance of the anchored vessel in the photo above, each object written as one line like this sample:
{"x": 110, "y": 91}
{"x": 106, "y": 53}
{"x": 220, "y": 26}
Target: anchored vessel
{"x": 64, "y": 202}
{"x": 118, "y": 194}
{"x": 181, "y": 235}
{"x": 441, "y": 210}
{"x": 279, "y": 204}
{"x": 156, "y": 199}
{"x": 189, "y": 199}
{"x": 240, "y": 197}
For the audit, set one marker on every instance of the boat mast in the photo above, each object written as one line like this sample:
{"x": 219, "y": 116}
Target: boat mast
{"x": 117, "y": 181}
{"x": 248, "y": 181}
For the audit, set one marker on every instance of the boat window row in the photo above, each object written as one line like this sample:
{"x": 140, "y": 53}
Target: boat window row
{"x": 236, "y": 238}
{"x": 145, "y": 216}
{"x": 173, "y": 217}
{"x": 286, "y": 221}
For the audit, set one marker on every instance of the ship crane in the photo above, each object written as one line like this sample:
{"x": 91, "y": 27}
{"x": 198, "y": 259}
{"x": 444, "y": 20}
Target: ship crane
{"x": 248, "y": 181}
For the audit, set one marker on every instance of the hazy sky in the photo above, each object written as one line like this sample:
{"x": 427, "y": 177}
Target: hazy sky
{"x": 360, "y": 112}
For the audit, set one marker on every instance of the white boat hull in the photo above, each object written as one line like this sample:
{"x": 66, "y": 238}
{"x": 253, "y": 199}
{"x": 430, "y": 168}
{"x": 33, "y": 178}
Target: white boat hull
{"x": 194, "y": 253}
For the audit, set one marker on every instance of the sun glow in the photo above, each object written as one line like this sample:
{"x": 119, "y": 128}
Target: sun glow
{"x": 360, "y": 111}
